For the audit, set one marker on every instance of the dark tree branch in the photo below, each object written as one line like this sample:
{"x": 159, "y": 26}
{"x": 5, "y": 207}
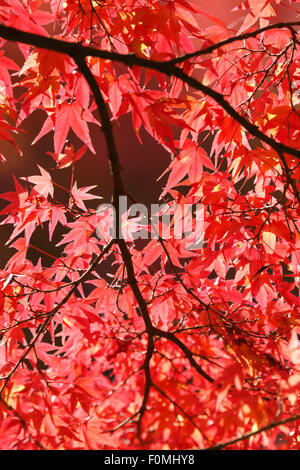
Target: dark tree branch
{"x": 78, "y": 52}
{"x": 253, "y": 433}
{"x": 106, "y": 125}
{"x": 52, "y": 313}
{"x": 241, "y": 37}
{"x": 189, "y": 355}
{"x": 126, "y": 256}
{"x": 147, "y": 386}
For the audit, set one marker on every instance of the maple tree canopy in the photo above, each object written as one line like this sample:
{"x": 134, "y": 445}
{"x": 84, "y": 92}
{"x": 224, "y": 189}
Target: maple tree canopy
{"x": 165, "y": 342}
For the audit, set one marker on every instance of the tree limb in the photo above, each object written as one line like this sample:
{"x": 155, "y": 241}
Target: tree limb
{"x": 253, "y": 433}
{"x": 77, "y": 51}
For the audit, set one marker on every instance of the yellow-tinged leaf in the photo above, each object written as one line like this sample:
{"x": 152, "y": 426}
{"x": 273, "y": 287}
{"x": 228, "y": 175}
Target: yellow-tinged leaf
{"x": 269, "y": 239}
{"x": 17, "y": 388}
{"x": 67, "y": 322}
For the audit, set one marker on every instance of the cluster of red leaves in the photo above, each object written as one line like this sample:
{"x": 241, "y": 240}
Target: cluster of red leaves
{"x": 73, "y": 340}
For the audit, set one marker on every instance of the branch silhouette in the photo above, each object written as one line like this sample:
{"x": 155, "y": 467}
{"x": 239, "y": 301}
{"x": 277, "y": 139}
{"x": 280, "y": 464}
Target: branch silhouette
{"x": 79, "y": 53}
{"x": 76, "y": 50}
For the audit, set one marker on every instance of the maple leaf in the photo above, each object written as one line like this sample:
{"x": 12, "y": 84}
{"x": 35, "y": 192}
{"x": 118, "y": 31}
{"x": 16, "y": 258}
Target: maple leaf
{"x": 42, "y": 184}
{"x": 81, "y": 194}
{"x": 69, "y": 157}
{"x": 188, "y": 337}
{"x": 68, "y": 115}
{"x": 72, "y": 115}
{"x": 190, "y": 160}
